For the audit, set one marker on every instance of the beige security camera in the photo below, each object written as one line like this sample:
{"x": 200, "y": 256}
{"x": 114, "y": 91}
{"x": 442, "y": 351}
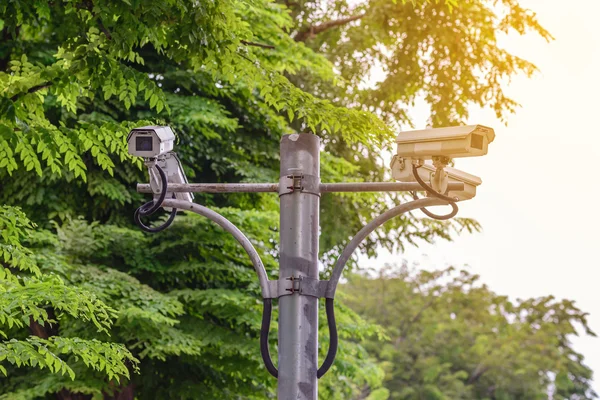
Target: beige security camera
{"x": 402, "y": 171}
{"x": 453, "y": 142}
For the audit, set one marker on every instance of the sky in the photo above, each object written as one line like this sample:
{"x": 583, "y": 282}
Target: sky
{"x": 538, "y": 203}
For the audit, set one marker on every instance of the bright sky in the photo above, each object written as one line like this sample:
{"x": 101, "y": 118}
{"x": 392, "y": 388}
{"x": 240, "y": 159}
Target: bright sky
{"x": 538, "y": 203}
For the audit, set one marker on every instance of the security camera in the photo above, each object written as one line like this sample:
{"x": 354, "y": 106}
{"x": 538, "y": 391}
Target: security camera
{"x": 453, "y": 142}
{"x": 150, "y": 141}
{"x": 155, "y": 144}
{"x": 437, "y": 177}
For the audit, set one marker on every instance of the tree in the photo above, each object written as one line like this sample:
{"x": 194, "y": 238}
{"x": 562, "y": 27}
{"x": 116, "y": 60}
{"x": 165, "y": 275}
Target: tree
{"x": 444, "y": 51}
{"x": 451, "y": 337}
{"x": 75, "y": 76}
{"x": 40, "y": 301}
{"x": 61, "y": 122}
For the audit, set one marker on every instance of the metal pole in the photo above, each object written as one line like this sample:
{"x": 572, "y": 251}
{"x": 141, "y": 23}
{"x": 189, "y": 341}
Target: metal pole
{"x": 299, "y": 252}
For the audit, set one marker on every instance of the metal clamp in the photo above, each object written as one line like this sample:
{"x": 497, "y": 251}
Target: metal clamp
{"x": 302, "y": 285}
{"x": 294, "y": 287}
{"x": 297, "y": 181}
{"x": 290, "y": 183}
{"x": 312, "y": 287}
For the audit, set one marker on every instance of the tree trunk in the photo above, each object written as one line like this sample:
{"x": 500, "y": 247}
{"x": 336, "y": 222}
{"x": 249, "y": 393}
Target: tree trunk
{"x": 68, "y": 395}
{"x": 123, "y": 393}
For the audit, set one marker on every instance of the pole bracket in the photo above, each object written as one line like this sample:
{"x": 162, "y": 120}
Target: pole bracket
{"x": 302, "y": 285}
{"x": 296, "y": 181}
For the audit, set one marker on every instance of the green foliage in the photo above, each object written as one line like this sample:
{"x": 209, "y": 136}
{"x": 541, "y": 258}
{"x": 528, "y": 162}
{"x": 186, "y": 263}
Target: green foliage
{"x": 444, "y": 52}
{"x": 28, "y": 297}
{"x": 230, "y": 77}
{"x": 14, "y": 226}
{"x": 201, "y": 324}
{"x": 109, "y": 358}
{"x": 100, "y": 63}
{"x": 44, "y": 300}
{"x": 450, "y": 337}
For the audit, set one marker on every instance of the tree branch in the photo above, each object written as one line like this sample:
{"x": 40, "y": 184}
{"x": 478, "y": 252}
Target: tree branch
{"x": 103, "y": 28}
{"x": 32, "y": 90}
{"x": 37, "y": 329}
{"x": 264, "y": 46}
{"x": 124, "y": 392}
{"x": 44, "y": 331}
{"x": 89, "y": 5}
{"x": 476, "y": 374}
{"x": 313, "y": 30}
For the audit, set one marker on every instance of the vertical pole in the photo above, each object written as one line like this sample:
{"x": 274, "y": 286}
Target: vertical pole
{"x": 299, "y": 252}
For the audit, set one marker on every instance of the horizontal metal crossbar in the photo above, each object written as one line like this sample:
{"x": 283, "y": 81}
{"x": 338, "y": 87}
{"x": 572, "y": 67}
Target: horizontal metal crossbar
{"x": 274, "y": 187}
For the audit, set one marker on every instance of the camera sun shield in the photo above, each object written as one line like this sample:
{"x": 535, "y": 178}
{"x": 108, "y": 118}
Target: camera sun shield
{"x": 452, "y": 142}
{"x": 150, "y": 141}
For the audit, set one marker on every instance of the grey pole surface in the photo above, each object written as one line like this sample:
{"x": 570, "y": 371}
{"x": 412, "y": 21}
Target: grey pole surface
{"x": 299, "y": 252}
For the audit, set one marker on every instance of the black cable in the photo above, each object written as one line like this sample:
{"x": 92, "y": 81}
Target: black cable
{"x": 437, "y": 216}
{"x": 333, "y": 339}
{"x": 429, "y": 189}
{"x": 149, "y": 229}
{"x": 154, "y": 205}
{"x": 151, "y": 207}
{"x": 264, "y": 337}
{"x": 451, "y": 201}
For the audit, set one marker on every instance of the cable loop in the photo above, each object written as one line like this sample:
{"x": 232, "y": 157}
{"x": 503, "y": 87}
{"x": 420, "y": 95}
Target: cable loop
{"x": 333, "y": 339}
{"x": 264, "y": 337}
{"x": 451, "y": 201}
{"x": 151, "y": 207}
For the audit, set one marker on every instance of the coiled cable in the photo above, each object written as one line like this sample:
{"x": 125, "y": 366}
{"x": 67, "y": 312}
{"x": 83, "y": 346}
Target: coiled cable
{"x": 152, "y": 206}
{"x": 451, "y": 201}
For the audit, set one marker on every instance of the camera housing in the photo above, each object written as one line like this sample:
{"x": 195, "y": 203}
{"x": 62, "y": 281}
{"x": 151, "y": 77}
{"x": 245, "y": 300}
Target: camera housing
{"x": 402, "y": 171}
{"x": 452, "y": 142}
{"x": 150, "y": 141}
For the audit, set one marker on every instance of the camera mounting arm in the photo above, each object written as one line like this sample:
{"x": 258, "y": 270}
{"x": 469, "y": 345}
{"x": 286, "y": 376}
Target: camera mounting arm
{"x": 367, "y": 230}
{"x": 233, "y": 230}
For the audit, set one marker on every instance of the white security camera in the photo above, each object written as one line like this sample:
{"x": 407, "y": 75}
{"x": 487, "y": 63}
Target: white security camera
{"x": 458, "y": 141}
{"x": 402, "y": 171}
{"x": 150, "y": 141}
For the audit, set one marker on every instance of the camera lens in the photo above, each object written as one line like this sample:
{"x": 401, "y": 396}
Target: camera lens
{"x": 143, "y": 143}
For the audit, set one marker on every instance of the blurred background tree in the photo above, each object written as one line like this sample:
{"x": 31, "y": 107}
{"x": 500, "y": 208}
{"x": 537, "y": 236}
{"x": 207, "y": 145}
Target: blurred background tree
{"x": 230, "y": 78}
{"x": 451, "y": 337}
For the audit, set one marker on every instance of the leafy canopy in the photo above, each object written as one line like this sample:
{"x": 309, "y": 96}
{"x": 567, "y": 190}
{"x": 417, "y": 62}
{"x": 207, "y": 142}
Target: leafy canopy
{"x": 95, "y": 298}
{"x": 451, "y": 337}
{"x": 25, "y": 300}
